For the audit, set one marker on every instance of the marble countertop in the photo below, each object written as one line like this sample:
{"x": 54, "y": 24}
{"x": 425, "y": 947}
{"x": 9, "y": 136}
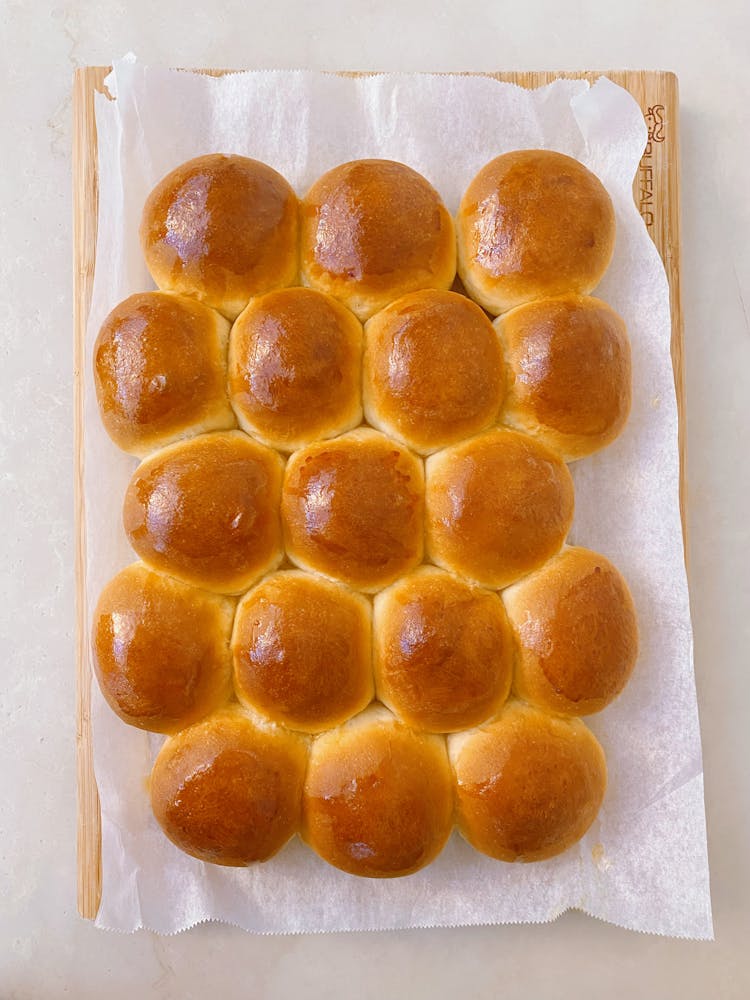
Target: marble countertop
{"x": 46, "y": 950}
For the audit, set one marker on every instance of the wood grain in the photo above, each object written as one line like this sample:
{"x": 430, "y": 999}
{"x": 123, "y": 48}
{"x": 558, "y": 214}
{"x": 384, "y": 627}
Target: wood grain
{"x": 85, "y": 202}
{"x": 657, "y": 194}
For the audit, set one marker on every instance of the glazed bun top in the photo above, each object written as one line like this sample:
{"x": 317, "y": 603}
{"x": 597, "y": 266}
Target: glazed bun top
{"x": 443, "y": 651}
{"x": 498, "y": 506}
{"x": 207, "y": 511}
{"x": 353, "y": 509}
{"x": 161, "y": 649}
{"x": 302, "y": 651}
{"x": 533, "y": 224}
{"x": 433, "y": 371}
{"x": 221, "y": 229}
{"x": 576, "y": 631}
{"x": 569, "y": 379}
{"x": 372, "y": 230}
{"x": 160, "y": 371}
{"x": 529, "y": 784}
{"x": 378, "y": 797}
{"x": 228, "y": 790}
{"x": 295, "y": 368}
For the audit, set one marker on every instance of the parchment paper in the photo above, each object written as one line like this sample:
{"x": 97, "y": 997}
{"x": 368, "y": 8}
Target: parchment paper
{"x": 643, "y": 865}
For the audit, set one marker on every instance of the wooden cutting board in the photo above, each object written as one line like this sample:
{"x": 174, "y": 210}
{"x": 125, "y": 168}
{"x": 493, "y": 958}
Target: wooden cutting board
{"x": 657, "y": 194}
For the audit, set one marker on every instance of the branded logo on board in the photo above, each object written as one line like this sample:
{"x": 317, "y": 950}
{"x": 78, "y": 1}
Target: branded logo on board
{"x": 656, "y": 124}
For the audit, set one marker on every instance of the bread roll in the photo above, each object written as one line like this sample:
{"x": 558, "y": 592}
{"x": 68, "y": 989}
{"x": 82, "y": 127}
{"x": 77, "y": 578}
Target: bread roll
{"x": 227, "y": 790}
{"x": 498, "y": 506}
{"x": 433, "y": 371}
{"x": 302, "y": 651}
{"x": 443, "y": 651}
{"x": 372, "y": 230}
{"x": 529, "y": 785}
{"x": 532, "y": 224}
{"x": 568, "y": 373}
{"x": 295, "y": 362}
{"x": 352, "y": 509}
{"x": 161, "y": 649}
{"x": 577, "y": 633}
{"x": 222, "y": 229}
{"x": 160, "y": 371}
{"x": 206, "y": 511}
{"x": 378, "y": 797}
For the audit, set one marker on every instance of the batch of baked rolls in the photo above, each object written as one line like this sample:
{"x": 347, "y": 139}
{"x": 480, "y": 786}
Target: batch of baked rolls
{"x": 354, "y": 612}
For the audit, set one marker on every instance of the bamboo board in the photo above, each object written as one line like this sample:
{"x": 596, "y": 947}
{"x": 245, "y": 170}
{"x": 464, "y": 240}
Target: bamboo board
{"x": 657, "y": 194}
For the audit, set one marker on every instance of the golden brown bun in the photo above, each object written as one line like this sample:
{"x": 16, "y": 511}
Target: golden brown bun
{"x": 229, "y": 791}
{"x": 222, "y": 229}
{"x": 352, "y": 509}
{"x": 160, "y": 371}
{"x": 295, "y": 362}
{"x": 577, "y": 633}
{"x": 378, "y": 797}
{"x": 532, "y": 224}
{"x": 433, "y": 371}
{"x": 161, "y": 649}
{"x": 372, "y": 230}
{"x": 302, "y": 651}
{"x": 498, "y": 507}
{"x": 568, "y": 373}
{"x": 443, "y": 651}
{"x": 206, "y": 511}
{"x": 529, "y": 785}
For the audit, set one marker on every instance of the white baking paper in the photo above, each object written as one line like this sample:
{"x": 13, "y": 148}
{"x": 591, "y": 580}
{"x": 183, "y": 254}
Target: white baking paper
{"x": 643, "y": 865}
